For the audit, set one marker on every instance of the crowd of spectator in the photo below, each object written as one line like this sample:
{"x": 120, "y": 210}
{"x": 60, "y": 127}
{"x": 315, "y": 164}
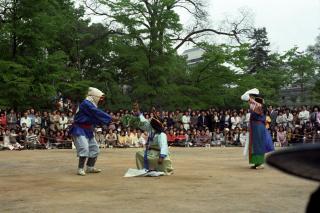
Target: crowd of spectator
{"x": 212, "y": 127}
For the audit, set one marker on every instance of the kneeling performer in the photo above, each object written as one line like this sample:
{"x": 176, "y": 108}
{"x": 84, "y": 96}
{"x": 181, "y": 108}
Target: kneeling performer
{"x": 156, "y": 155}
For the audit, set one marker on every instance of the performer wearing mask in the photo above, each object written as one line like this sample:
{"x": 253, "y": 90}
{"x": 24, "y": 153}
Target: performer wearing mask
{"x": 156, "y": 154}
{"x": 260, "y": 141}
{"x": 86, "y": 118}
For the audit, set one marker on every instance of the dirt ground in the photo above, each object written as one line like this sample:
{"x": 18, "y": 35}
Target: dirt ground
{"x": 205, "y": 180}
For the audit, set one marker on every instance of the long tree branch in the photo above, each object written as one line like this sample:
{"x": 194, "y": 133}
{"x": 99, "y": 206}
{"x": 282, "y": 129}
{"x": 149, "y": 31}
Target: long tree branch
{"x": 186, "y": 38}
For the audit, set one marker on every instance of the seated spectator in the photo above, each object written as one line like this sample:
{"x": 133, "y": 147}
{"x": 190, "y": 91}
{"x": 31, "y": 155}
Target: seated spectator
{"x": 100, "y": 138}
{"x": 133, "y": 138}
{"x": 171, "y": 137}
{"x": 13, "y": 140}
{"x": 59, "y": 139}
{"x": 123, "y": 141}
{"x": 24, "y": 127}
{"x": 141, "y": 139}
{"x": 282, "y": 137}
{"x": 217, "y": 138}
{"x": 6, "y": 140}
{"x": 244, "y": 137}
{"x": 111, "y": 138}
{"x": 308, "y": 136}
{"x": 202, "y": 139}
{"x": 297, "y": 137}
{"x": 43, "y": 139}
{"x": 31, "y": 140}
{"x": 180, "y": 138}
{"x": 289, "y": 135}
{"x": 236, "y": 137}
{"x": 228, "y": 137}
{"x": 51, "y": 139}
{"x": 208, "y": 133}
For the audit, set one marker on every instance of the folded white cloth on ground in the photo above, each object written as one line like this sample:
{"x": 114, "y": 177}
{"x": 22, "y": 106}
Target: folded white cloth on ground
{"x": 142, "y": 173}
{"x": 135, "y": 172}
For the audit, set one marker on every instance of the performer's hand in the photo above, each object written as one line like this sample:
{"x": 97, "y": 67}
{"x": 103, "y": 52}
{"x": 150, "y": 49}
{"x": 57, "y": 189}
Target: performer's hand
{"x": 160, "y": 160}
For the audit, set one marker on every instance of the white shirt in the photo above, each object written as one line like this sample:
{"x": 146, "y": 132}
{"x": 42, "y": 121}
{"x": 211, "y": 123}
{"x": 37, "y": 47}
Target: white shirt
{"x": 304, "y": 116}
{"x": 235, "y": 121}
{"x": 186, "y": 121}
{"x": 63, "y": 122}
{"x": 25, "y": 120}
{"x": 244, "y": 138}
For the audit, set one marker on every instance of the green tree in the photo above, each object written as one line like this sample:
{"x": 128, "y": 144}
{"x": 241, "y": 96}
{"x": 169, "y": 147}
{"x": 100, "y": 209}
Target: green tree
{"x": 302, "y": 68}
{"x": 259, "y": 51}
{"x": 37, "y": 48}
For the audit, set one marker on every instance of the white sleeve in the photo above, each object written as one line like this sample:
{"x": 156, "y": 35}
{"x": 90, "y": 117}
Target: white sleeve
{"x": 146, "y": 124}
{"x": 245, "y": 97}
{"x": 163, "y": 143}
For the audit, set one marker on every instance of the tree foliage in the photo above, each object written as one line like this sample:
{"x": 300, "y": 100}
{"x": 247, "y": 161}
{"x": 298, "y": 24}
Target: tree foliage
{"x": 49, "y": 47}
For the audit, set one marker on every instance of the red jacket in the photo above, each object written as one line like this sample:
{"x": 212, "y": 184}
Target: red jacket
{"x": 171, "y": 138}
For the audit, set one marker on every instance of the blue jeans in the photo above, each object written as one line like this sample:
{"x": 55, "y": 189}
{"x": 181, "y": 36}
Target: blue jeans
{"x": 86, "y": 147}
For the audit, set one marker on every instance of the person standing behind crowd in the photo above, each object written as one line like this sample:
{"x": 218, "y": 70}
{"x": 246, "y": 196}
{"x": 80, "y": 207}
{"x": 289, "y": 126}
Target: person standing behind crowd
{"x": 186, "y": 120}
{"x": 26, "y": 120}
{"x": 235, "y": 120}
{"x": 304, "y": 115}
{"x": 280, "y": 119}
{"x": 45, "y": 121}
{"x": 31, "y": 115}
{"x": 247, "y": 119}
{"x": 273, "y": 115}
{"x": 37, "y": 121}
{"x": 202, "y": 120}
{"x": 193, "y": 120}
{"x": 70, "y": 119}
{"x": 288, "y": 118}
{"x": 315, "y": 117}
{"x": 12, "y": 120}
{"x": 63, "y": 122}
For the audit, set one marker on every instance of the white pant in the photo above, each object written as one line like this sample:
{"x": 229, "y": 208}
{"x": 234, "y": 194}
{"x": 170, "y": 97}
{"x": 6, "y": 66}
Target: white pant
{"x": 86, "y": 147}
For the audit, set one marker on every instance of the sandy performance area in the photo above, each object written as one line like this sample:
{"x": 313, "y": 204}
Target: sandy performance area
{"x": 205, "y": 180}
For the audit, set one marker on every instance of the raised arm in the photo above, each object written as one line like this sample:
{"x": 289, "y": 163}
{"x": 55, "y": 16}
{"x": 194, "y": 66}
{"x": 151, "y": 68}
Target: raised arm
{"x": 146, "y": 124}
{"x": 255, "y": 106}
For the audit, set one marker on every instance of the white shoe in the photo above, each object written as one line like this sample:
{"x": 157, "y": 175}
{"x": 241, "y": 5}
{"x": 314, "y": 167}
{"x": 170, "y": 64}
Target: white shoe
{"x": 81, "y": 172}
{"x": 93, "y": 170}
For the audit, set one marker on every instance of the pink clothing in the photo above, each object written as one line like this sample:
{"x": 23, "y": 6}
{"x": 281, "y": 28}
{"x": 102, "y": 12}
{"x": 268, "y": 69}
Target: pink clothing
{"x": 282, "y": 138}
